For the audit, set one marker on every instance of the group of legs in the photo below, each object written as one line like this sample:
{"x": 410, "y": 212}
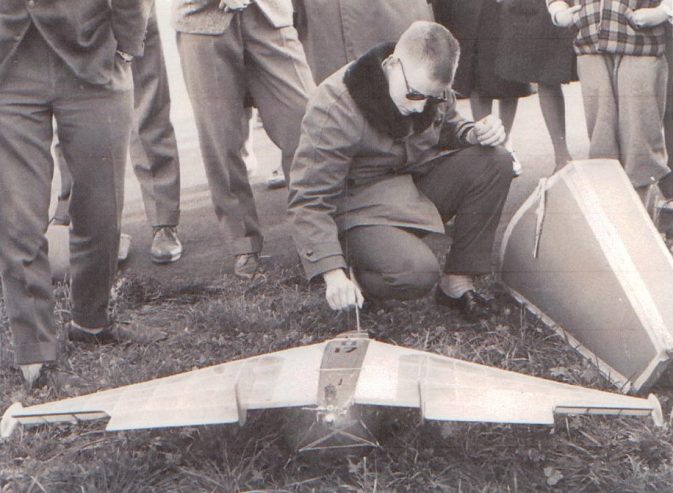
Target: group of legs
{"x": 92, "y": 153}
{"x": 95, "y": 150}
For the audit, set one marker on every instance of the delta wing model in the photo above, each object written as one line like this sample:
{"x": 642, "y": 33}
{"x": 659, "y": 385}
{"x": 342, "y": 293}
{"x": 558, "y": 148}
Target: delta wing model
{"x": 335, "y": 381}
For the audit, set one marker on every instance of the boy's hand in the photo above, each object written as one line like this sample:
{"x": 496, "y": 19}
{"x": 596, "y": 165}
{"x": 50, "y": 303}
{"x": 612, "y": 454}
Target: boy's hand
{"x": 641, "y": 18}
{"x": 234, "y": 5}
{"x": 341, "y": 293}
{"x": 563, "y": 15}
{"x": 488, "y": 131}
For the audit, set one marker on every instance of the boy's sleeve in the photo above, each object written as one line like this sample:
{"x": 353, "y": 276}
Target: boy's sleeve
{"x": 455, "y": 127}
{"x": 329, "y": 136}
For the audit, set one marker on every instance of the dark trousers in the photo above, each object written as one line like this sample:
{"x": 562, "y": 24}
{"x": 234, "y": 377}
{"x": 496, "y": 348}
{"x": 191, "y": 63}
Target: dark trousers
{"x": 94, "y": 124}
{"x": 395, "y": 263}
{"x": 269, "y": 63}
{"x": 154, "y": 150}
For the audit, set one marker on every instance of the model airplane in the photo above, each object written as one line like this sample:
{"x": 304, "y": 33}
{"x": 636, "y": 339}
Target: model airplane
{"x": 335, "y": 381}
{"x": 583, "y": 254}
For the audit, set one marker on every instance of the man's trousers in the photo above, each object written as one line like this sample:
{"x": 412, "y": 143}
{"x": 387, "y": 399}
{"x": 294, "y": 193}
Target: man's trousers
{"x": 624, "y": 98}
{"x": 395, "y": 263}
{"x": 94, "y": 125}
{"x": 154, "y": 150}
{"x": 269, "y": 63}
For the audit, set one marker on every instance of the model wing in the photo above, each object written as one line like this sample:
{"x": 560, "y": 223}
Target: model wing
{"x": 454, "y": 390}
{"x": 217, "y": 394}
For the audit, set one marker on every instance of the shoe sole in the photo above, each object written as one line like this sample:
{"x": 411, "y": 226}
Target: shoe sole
{"x": 80, "y": 336}
{"x": 166, "y": 260}
{"x": 453, "y": 304}
{"x": 273, "y": 184}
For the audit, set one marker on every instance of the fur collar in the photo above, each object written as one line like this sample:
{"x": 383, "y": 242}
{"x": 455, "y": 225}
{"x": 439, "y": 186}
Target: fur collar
{"x": 368, "y": 86}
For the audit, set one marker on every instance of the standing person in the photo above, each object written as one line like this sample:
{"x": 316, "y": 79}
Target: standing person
{"x": 335, "y": 32}
{"x": 477, "y": 25}
{"x": 154, "y": 150}
{"x": 385, "y": 158}
{"x": 227, "y": 48}
{"x": 534, "y": 50}
{"x": 620, "y": 48}
{"x": 71, "y": 64}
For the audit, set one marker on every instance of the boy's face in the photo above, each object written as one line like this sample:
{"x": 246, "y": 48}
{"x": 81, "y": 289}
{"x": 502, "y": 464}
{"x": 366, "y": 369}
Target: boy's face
{"x": 411, "y": 84}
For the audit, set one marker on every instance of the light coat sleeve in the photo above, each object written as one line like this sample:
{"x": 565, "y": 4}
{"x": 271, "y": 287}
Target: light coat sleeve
{"x": 129, "y": 23}
{"x": 330, "y": 135}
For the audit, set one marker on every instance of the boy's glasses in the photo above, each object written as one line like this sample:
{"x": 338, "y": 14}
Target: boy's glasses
{"x": 414, "y": 95}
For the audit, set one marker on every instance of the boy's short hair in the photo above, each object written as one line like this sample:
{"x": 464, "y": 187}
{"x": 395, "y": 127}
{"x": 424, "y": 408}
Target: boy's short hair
{"x": 434, "y": 45}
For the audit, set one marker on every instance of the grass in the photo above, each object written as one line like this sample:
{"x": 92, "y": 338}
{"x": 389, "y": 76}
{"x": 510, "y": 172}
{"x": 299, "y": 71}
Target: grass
{"x": 209, "y": 324}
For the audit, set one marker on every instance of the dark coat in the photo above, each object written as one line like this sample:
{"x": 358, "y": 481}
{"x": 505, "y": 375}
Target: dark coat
{"x": 84, "y": 33}
{"x": 477, "y": 26}
{"x": 462, "y": 19}
{"x": 357, "y": 157}
{"x": 336, "y": 32}
{"x": 532, "y": 48}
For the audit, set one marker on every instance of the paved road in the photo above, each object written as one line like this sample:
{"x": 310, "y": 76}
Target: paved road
{"x": 204, "y": 260}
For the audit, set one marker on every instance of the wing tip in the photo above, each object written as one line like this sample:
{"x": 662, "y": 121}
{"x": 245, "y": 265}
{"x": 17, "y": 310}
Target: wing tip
{"x": 657, "y": 413}
{"x": 9, "y": 422}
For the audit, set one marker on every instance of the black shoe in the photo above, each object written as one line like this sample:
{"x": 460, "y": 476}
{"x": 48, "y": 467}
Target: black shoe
{"x": 472, "y": 306}
{"x": 114, "y": 333}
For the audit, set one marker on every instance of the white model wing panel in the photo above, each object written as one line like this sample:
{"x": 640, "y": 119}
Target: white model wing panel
{"x": 217, "y": 394}
{"x": 455, "y": 390}
{"x": 388, "y": 378}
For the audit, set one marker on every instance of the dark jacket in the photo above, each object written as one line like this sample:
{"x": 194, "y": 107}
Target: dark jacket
{"x": 84, "y": 33}
{"x": 462, "y": 18}
{"x": 336, "y": 32}
{"x": 357, "y": 157}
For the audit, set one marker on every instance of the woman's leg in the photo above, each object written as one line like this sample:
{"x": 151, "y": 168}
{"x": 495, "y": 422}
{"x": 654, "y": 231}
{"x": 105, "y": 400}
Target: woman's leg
{"x": 552, "y": 104}
{"x": 507, "y": 111}
{"x": 481, "y": 106}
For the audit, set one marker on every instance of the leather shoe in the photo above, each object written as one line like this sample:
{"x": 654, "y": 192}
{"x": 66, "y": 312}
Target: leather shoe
{"x": 246, "y": 265}
{"x": 472, "y": 306}
{"x": 166, "y": 246}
